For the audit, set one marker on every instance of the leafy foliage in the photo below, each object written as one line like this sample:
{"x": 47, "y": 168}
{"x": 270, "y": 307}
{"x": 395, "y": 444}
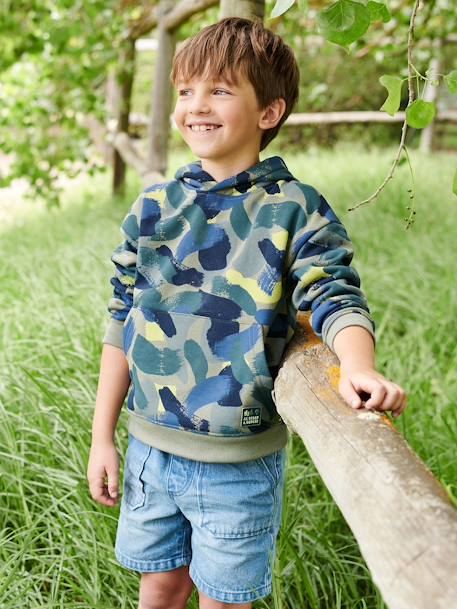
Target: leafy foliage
{"x": 344, "y": 21}
{"x": 347, "y": 21}
{"x": 54, "y": 69}
{"x": 56, "y": 55}
{"x": 420, "y": 113}
{"x": 281, "y": 7}
{"x": 451, "y": 81}
{"x": 393, "y": 86}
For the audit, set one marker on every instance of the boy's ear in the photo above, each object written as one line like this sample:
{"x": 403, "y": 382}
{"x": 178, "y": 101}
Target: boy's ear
{"x": 272, "y": 114}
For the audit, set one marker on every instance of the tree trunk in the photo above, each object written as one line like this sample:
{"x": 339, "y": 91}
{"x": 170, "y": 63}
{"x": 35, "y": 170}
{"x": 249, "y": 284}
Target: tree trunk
{"x": 112, "y": 95}
{"x": 161, "y": 94}
{"x": 431, "y": 95}
{"x": 124, "y": 80}
{"x": 248, "y": 9}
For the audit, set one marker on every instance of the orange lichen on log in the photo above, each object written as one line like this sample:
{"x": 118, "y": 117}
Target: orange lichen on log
{"x": 385, "y": 419}
{"x": 333, "y": 374}
{"x": 310, "y": 337}
{"x": 311, "y": 340}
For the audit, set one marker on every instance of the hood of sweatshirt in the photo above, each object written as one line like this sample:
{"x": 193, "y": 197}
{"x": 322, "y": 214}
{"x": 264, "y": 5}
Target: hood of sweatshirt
{"x": 262, "y": 175}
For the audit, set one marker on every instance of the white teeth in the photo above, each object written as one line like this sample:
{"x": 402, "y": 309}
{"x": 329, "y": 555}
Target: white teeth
{"x": 203, "y": 127}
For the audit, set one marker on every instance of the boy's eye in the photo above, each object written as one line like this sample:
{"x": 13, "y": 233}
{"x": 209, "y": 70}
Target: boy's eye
{"x": 186, "y": 92}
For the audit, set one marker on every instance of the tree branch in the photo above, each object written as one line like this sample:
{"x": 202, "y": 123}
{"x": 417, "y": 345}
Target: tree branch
{"x": 401, "y": 146}
{"x": 176, "y": 17}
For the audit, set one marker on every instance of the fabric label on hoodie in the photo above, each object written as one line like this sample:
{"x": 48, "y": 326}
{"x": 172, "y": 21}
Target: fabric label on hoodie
{"x": 251, "y": 416}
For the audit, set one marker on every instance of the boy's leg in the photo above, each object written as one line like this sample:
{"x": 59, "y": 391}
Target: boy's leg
{"x": 165, "y": 590}
{"x": 209, "y": 603}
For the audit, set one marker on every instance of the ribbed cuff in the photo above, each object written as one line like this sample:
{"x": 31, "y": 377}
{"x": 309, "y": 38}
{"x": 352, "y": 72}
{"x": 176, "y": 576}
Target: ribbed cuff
{"x": 343, "y": 319}
{"x": 114, "y": 334}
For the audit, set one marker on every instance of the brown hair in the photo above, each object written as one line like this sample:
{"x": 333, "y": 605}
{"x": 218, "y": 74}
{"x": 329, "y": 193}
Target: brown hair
{"x": 234, "y": 45}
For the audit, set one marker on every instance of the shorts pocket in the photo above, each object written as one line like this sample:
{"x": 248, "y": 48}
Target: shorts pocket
{"x": 135, "y": 461}
{"x": 238, "y": 499}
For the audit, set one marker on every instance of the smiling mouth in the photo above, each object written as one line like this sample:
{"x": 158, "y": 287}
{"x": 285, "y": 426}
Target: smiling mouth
{"x": 203, "y": 129}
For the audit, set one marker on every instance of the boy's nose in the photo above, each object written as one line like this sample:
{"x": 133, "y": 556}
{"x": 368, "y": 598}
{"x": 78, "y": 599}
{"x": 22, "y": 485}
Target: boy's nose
{"x": 199, "y": 104}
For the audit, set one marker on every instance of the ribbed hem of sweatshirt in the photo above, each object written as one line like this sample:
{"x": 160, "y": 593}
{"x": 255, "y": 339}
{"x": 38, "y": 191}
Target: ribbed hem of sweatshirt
{"x": 343, "y": 319}
{"x": 114, "y": 333}
{"x": 204, "y": 447}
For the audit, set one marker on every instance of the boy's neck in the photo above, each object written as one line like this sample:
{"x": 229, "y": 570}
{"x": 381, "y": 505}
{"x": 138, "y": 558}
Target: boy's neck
{"x": 220, "y": 173}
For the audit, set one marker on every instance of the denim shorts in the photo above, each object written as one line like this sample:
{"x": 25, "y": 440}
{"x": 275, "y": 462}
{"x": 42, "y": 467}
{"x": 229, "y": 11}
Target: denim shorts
{"x": 222, "y": 519}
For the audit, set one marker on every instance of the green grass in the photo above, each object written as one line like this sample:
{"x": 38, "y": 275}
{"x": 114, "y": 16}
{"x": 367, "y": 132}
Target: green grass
{"x": 56, "y": 544}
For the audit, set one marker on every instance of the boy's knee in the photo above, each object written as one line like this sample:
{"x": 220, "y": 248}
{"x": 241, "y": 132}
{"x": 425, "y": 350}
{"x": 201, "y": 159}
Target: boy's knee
{"x": 205, "y": 602}
{"x": 158, "y": 599}
{"x": 167, "y": 590}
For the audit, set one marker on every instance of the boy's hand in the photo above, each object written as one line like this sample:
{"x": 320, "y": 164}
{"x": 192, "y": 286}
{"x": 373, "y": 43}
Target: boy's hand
{"x": 364, "y": 387}
{"x": 103, "y": 462}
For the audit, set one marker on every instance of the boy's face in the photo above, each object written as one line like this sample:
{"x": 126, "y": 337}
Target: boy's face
{"x": 232, "y": 143}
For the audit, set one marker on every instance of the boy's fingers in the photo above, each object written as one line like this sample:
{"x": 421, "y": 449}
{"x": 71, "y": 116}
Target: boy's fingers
{"x": 113, "y": 488}
{"x": 101, "y": 494}
{"x": 395, "y": 399}
{"x": 392, "y": 398}
{"x": 374, "y": 394}
{"x": 396, "y": 413}
{"x": 349, "y": 394}
{"x": 96, "y": 487}
{"x": 98, "y": 490}
{"x": 113, "y": 482}
{"x": 377, "y": 394}
{"x": 403, "y": 397}
{"x": 103, "y": 477}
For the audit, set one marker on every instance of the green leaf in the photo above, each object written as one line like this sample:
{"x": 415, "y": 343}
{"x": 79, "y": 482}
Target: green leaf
{"x": 393, "y": 86}
{"x": 343, "y": 21}
{"x": 451, "y": 81}
{"x": 454, "y": 185}
{"x": 420, "y": 114}
{"x": 281, "y": 7}
{"x": 378, "y": 12}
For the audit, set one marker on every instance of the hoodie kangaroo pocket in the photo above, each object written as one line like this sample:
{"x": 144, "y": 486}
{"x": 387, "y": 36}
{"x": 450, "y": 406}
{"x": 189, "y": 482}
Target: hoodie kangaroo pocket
{"x": 198, "y": 373}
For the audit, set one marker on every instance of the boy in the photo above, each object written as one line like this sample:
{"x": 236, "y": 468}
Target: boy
{"x": 212, "y": 270}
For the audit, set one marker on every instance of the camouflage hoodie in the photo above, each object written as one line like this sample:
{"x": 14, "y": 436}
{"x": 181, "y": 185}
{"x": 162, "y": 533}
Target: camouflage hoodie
{"x": 207, "y": 284}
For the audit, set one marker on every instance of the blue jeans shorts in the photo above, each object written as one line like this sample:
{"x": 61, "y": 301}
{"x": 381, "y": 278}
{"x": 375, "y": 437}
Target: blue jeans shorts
{"x": 222, "y": 519}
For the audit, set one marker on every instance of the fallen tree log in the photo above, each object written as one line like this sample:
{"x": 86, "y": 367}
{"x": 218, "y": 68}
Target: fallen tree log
{"x": 402, "y": 518}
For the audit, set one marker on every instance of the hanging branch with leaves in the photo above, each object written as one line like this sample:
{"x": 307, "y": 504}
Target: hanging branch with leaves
{"x": 344, "y": 22}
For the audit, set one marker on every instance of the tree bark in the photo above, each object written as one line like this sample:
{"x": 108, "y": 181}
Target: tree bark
{"x": 127, "y": 150}
{"x": 431, "y": 95}
{"x": 248, "y": 9}
{"x": 178, "y": 15}
{"x": 124, "y": 79}
{"x": 159, "y": 127}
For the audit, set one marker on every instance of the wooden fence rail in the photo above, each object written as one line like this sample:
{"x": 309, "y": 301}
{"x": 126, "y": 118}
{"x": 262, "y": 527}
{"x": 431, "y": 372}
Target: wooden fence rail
{"x": 401, "y": 516}
{"x": 139, "y": 122}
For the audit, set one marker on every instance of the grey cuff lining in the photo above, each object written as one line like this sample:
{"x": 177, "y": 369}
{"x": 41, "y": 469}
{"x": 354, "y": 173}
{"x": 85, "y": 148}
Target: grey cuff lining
{"x": 114, "y": 333}
{"x": 343, "y": 319}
